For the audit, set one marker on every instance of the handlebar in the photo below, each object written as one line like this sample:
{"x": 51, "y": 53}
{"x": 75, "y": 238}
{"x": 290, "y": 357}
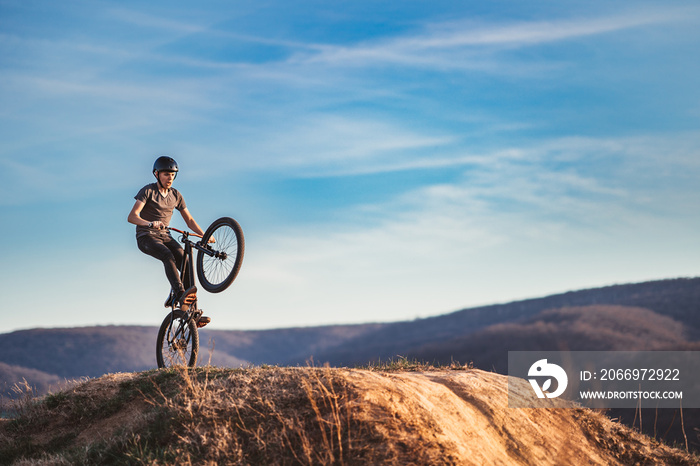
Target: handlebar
{"x": 186, "y": 233}
{"x": 202, "y": 247}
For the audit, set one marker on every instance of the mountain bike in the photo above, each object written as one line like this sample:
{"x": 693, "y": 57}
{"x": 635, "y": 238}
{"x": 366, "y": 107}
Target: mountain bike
{"x": 219, "y": 259}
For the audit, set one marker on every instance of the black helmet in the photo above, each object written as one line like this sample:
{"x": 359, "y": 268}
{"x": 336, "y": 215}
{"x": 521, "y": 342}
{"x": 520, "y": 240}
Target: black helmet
{"x": 164, "y": 164}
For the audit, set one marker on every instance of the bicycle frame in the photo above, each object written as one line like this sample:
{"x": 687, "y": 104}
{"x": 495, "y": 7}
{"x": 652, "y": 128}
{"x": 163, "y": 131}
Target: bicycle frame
{"x": 178, "y": 333}
{"x": 175, "y": 337}
{"x": 187, "y": 269}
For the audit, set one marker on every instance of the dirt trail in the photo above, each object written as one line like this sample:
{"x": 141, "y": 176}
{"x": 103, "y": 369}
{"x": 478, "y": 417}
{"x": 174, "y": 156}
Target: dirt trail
{"x": 277, "y": 415}
{"x": 467, "y": 414}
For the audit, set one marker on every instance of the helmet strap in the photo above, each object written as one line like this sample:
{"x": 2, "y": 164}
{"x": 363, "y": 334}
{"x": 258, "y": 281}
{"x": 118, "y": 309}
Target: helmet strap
{"x": 156, "y": 173}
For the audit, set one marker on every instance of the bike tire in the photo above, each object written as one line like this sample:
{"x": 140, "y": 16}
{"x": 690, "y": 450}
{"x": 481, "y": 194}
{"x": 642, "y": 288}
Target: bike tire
{"x": 216, "y": 273}
{"x": 177, "y": 350}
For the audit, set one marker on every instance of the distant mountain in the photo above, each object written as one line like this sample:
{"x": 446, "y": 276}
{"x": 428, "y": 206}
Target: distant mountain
{"x": 14, "y": 377}
{"x": 586, "y": 328}
{"x": 676, "y": 299}
{"x": 280, "y": 346}
{"x": 664, "y": 313}
{"x": 47, "y": 357}
{"x": 81, "y": 351}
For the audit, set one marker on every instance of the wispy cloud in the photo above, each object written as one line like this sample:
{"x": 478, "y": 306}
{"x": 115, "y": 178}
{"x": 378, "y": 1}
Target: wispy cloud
{"x": 155, "y": 22}
{"x": 331, "y": 146}
{"x": 520, "y": 217}
{"x": 462, "y": 44}
{"x": 591, "y": 183}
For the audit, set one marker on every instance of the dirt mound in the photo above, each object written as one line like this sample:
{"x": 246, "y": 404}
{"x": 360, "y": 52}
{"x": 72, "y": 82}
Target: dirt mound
{"x": 274, "y": 415}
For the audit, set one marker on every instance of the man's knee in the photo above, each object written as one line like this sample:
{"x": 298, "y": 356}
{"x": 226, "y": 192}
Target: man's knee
{"x": 157, "y": 250}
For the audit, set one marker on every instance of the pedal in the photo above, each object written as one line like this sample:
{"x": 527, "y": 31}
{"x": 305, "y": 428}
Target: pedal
{"x": 188, "y": 301}
{"x": 202, "y": 321}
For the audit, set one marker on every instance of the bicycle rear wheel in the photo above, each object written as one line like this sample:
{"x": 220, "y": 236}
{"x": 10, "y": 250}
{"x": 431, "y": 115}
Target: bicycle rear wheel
{"x": 217, "y": 271}
{"x": 178, "y": 341}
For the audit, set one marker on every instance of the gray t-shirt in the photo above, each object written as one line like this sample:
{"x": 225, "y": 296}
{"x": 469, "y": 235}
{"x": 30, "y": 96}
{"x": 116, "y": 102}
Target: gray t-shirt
{"x": 158, "y": 207}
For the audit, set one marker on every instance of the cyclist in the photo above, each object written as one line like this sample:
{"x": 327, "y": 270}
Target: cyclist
{"x": 151, "y": 214}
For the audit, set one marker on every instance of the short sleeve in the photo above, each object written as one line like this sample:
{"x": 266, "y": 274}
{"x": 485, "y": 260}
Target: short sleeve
{"x": 180, "y": 206}
{"x": 141, "y": 195}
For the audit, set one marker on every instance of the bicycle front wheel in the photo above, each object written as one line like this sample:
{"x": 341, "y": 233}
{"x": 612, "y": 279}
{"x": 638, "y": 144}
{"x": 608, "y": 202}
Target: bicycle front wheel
{"x": 219, "y": 266}
{"x": 177, "y": 342}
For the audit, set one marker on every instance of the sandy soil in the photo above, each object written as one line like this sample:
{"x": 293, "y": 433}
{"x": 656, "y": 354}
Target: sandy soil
{"x": 432, "y": 417}
{"x": 467, "y": 414}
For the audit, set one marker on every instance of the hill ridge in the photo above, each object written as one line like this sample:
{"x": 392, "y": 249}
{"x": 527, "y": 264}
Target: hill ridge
{"x": 93, "y": 351}
{"x": 677, "y": 298}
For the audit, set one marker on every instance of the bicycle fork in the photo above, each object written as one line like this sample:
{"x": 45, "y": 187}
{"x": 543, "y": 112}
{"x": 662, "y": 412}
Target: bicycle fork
{"x": 179, "y": 339}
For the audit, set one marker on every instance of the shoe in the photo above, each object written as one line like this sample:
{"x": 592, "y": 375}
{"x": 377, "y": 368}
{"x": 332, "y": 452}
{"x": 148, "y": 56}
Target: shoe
{"x": 170, "y": 302}
{"x": 202, "y": 321}
{"x": 173, "y": 298}
{"x": 187, "y": 298}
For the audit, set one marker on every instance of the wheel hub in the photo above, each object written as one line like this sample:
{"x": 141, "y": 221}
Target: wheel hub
{"x": 179, "y": 345}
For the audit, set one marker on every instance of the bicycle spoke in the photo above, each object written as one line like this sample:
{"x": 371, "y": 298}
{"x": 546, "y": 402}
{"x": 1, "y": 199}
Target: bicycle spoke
{"x": 177, "y": 342}
{"x": 216, "y": 271}
{"x": 215, "y": 268}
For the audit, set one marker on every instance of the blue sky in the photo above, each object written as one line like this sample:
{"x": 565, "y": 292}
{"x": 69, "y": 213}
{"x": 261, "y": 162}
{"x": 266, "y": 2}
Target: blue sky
{"x": 387, "y": 160}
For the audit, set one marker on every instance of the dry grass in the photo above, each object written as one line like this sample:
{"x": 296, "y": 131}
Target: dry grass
{"x": 400, "y": 413}
{"x": 265, "y": 416}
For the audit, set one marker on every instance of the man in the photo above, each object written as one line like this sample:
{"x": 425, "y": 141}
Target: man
{"x": 151, "y": 214}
